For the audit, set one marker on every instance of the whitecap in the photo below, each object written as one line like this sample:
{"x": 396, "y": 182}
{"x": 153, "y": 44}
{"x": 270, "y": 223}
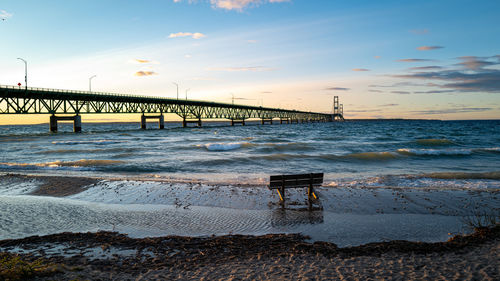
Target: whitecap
{"x": 223, "y": 146}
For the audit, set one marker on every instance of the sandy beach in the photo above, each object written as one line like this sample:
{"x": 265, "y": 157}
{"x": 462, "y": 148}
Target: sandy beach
{"x": 113, "y": 256}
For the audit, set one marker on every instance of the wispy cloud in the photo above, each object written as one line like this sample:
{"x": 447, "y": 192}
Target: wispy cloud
{"x": 470, "y": 76}
{"x": 476, "y": 63}
{"x": 195, "y": 35}
{"x": 453, "y": 110}
{"x": 401, "y": 92}
{"x": 337, "y": 89}
{"x": 434, "y": 92}
{"x": 145, "y": 73}
{"x": 428, "y": 48}
{"x": 237, "y": 5}
{"x": 360, "y": 69}
{"x": 389, "y": 104}
{"x": 375, "y": 91}
{"x": 414, "y": 60}
{"x": 5, "y": 15}
{"x": 424, "y": 68}
{"x": 377, "y": 57}
{"x": 241, "y": 68}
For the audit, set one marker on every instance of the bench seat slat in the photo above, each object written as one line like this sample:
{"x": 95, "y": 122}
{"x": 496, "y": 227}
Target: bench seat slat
{"x": 301, "y": 180}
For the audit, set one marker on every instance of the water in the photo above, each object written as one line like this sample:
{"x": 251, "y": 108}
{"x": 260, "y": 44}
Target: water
{"x": 435, "y": 165}
{"x": 362, "y": 152}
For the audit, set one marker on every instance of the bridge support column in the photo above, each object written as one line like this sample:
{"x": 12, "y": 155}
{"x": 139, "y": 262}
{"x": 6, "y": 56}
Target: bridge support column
{"x": 161, "y": 121}
{"x": 143, "y": 122}
{"x": 284, "y": 120}
{"x": 264, "y": 121}
{"x": 238, "y": 121}
{"x": 185, "y": 122}
{"x": 77, "y": 122}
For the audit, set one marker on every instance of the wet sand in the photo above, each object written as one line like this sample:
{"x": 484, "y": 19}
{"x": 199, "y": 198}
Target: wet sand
{"x": 55, "y": 186}
{"x": 113, "y": 256}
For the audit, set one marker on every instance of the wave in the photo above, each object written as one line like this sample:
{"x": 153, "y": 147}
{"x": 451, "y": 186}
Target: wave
{"x": 434, "y": 152}
{"x": 69, "y": 151}
{"x": 220, "y": 146}
{"x": 86, "y": 163}
{"x": 447, "y": 152}
{"x": 463, "y": 175}
{"x": 96, "y": 142}
{"x": 434, "y": 142}
{"x": 373, "y": 156}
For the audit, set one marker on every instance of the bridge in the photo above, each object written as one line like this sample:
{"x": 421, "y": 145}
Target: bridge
{"x": 30, "y": 100}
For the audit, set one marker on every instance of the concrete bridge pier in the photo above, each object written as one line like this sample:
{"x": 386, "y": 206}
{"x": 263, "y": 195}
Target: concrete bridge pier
{"x": 237, "y": 121}
{"x": 185, "y": 122}
{"x": 294, "y": 121}
{"x": 267, "y": 120}
{"x": 282, "y": 120}
{"x": 161, "y": 121}
{"x": 77, "y": 122}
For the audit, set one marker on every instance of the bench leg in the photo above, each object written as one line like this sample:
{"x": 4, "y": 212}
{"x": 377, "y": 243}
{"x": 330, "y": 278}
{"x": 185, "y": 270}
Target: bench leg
{"x": 279, "y": 193}
{"x": 310, "y": 193}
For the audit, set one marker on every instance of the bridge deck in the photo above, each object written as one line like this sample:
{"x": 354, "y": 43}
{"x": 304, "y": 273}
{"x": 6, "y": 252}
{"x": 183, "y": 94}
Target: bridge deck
{"x": 16, "y": 100}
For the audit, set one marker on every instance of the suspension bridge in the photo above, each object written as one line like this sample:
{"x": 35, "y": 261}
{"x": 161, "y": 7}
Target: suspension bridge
{"x": 68, "y": 105}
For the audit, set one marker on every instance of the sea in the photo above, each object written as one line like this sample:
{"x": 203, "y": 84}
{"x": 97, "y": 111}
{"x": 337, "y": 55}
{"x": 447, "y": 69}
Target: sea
{"x": 376, "y": 154}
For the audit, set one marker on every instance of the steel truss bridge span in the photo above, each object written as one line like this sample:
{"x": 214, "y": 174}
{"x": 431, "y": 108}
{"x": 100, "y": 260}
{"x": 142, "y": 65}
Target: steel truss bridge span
{"x": 16, "y": 100}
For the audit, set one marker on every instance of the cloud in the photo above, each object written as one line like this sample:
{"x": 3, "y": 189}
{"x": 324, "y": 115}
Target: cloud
{"x": 242, "y": 68}
{"x": 252, "y": 41}
{"x": 470, "y": 76}
{"x": 428, "y": 48}
{"x": 187, "y": 56}
{"x": 360, "y": 69}
{"x": 375, "y": 91}
{"x": 337, "y": 89}
{"x": 431, "y": 67}
{"x": 142, "y": 61}
{"x": 5, "y": 15}
{"x": 414, "y": 60}
{"x": 389, "y": 104}
{"x": 453, "y": 110}
{"x": 145, "y": 73}
{"x": 238, "y": 5}
{"x": 377, "y": 57}
{"x": 434, "y": 92}
{"x": 195, "y": 35}
{"x": 401, "y": 92}
{"x": 266, "y": 92}
{"x": 475, "y": 63}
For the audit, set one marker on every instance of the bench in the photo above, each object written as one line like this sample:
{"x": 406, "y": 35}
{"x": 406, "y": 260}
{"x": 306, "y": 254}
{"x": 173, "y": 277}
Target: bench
{"x": 281, "y": 182}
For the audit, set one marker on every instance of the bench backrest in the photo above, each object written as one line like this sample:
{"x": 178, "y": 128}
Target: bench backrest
{"x": 301, "y": 180}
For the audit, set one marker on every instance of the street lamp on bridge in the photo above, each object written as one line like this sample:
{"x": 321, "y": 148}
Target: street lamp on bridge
{"x": 90, "y": 83}
{"x": 187, "y": 93}
{"x": 25, "y": 73}
{"x": 177, "y": 85}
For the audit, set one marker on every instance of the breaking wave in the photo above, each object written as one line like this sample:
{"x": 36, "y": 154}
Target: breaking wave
{"x": 434, "y": 142}
{"x": 220, "y": 146}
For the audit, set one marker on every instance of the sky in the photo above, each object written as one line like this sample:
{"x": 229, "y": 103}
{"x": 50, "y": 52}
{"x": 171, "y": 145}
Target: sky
{"x": 384, "y": 59}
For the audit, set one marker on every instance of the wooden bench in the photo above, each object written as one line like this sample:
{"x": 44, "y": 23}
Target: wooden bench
{"x": 281, "y": 182}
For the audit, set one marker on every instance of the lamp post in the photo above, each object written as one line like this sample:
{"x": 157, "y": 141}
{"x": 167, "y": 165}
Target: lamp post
{"x": 25, "y": 73}
{"x": 177, "y": 85}
{"x": 187, "y": 93}
{"x": 232, "y": 95}
{"x": 90, "y": 83}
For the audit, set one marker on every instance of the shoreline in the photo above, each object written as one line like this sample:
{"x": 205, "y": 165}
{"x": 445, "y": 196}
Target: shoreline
{"x": 114, "y": 256}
